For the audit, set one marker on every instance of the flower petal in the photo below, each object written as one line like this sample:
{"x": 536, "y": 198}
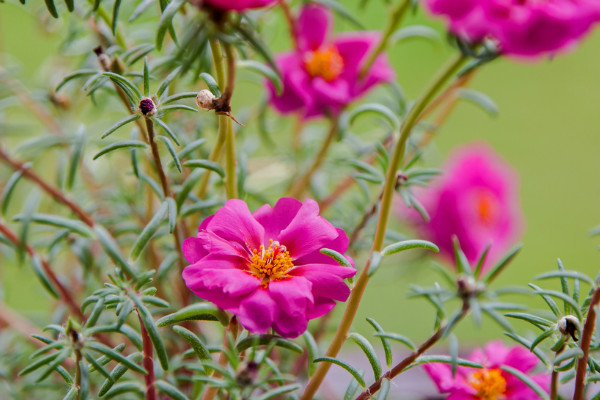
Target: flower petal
{"x": 276, "y": 219}
{"x": 235, "y": 223}
{"x": 327, "y": 281}
{"x": 313, "y": 26}
{"x": 293, "y": 295}
{"x": 257, "y": 312}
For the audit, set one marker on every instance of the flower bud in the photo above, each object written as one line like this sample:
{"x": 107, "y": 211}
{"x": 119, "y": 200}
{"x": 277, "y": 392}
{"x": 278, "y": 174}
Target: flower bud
{"x": 569, "y": 325}
{"x": 147, "y": 107}
{"x": 205, "y": 99}
{"x": 468, "y": 286}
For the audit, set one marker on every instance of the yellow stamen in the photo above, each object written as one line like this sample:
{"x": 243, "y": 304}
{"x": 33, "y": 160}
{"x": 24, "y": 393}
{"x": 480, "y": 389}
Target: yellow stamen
{"x": 489, "y": 383}
{"x": 272, "y": 263}
{"x": 325, "y": 62}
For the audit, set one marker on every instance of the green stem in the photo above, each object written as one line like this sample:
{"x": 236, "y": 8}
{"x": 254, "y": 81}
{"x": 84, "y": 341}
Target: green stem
{"x": 395, "y": 19}
{"x": 299, "y": 186}
{"x": 230, "y": 161}
{"x": 217, "y": 54}
{"x": 411, "y": 119}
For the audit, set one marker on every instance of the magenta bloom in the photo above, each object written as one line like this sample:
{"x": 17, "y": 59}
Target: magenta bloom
{"x": 266, "y": 267}
{"x": 323, "y": 74}
{"x": 236, "y": 5}
{"x": 476, "y": 200}
{"x": 522, "y": 27}
{"x": 491, "y": 382}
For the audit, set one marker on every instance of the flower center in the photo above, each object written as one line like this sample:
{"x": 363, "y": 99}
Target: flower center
{"x": 489, "y": 383}
{"x": 486, "y": 206}
{"x": 272, "y": 263}
{"x": 325, "y": 62}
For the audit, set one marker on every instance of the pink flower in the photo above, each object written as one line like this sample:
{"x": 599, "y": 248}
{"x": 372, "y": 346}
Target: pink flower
{"x": 236, "y": 5}
{"x": 476, "y": 200}
{"x": 323, "y": 74}
{"x": 491, "y": 382}
{"x": 266, "y": 267}
{"x": 522, "y": 27}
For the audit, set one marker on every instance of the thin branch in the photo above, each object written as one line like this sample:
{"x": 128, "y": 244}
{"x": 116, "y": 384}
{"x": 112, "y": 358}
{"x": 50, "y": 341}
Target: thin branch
{"x": 148, "y": 361}
{"x": 586, "y": 340}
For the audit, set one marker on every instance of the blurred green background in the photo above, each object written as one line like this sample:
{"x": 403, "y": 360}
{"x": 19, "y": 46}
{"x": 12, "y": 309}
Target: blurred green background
{"x": 548, "y": 129}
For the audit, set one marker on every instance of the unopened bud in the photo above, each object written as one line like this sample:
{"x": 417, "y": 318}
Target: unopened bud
{"x": 147, "y": 107}
{"x": 468, "y": 286}
{"x": 205, "y": 99}
{"x": 569, "y": 325}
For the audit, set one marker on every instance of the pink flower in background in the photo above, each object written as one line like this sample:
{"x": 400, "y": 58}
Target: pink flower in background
{"x": 323, "y": 74}
{"x": 522, "y": 27}
{"x": 491, "y": 382}
{"x": 236, "y": 5}
{"x": 476, "y": 200}
{"x": 266, "y": 267}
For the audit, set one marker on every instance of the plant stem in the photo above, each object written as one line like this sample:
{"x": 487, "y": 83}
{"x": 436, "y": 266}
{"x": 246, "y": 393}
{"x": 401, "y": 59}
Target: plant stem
{"x": 554, "y": 381}
{"x": 300, "y": 185}
{"x": 402, "y": 365}
{"x": 230, "y": 161}
{"x": 395, "y": 18}
{"x": 148, "y": 361}
{"x": 411, "y": 119}
{"x": 586, "y": 340}
{"x": 156, "y": 156}
{"x": 64, "y": 293}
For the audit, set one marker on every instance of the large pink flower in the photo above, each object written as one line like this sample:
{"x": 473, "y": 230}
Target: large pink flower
{"x": 522, "y": 27}
{"x": 236, "y": 5}
{"x": 323, "y": 74}
{"x": 476, "y": 200}
{"x": 491, "y": 382}
{"x": 266, "y": 267}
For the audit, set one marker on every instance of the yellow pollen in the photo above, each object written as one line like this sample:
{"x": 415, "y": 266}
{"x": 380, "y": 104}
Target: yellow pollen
{"x": 272, "y": 263}
{"x": 487, "y": 207}
{"x": 325, "y": 62}
{"x": 489, "y": 383}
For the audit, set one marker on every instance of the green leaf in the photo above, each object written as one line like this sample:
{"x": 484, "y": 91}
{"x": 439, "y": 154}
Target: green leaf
{"x": 206, "y": 164}
{"x": 166, "y": 20}
{"x": 42, "y": 276}
{"x": 176, "y": 107}
{"x": 70, "y": 5}
{"x": 194, "y": 312}
{"x": 119, "y": 124}
{"x": 71, "y": 394}
{"x": 171, "y": 150}
{"x": 378, "y": 109}
{"x": 263, "y": 70}
{"x": 338, "y": 257}
{"x": 130, "y": 89}
{"x": 140, "y": 9}
{"x": 172, "y": 214}
{"x": 416, "y": 32}
{"x": 9, "y": 188}
{"x": 115, "y": 16}
{"x": 566, "y": 274}
{"x": 124, "y": 387}
{"x": 384, "y": 342}
{"x": 498, "y": 268}
{"x": 369, "y": 351}
{"x": 343, "y": 12}
{"x": 560, "y": 295}
{"x": 150, "y": 326}
{"x": 62, "y": 356}
{"x": 146, "y": 78}
{"x": 97, "y": 366}
{"x": 51, "y": 8}
{"x": 462, "y": 263}
{"x": 277, "y": 392}
{"x": 543, "y": 336}
{"x": 119, "y": 145}
{"x": 256, "y": 42}
{"x": 574, "y": 352}
{"x": 71, "y": 225}
{"x": 166, "y": 128}
{"x": 532, "y": 319}
{"x": 112, "y": 249}
{"x": 398, "y": 338}
{"x": 383, "y": 390}
{"x": 344, "y": 365}
{"x": 179, "y": 96}
{"x": 374, "y": 262}
{"x": 39, "y": 363}
{"x": 199, "y": 348}
{"x": 526, "y": 380}
{"x": 167, "y": 81}
{"x": 170, "y": 390}
{"x": 551, "y": 303}
{"x": 446, "y": 360}
{"x": 480, "y": 99}
{"x": 114, "y": 355}
{"x": 312, "y": 351}
{"x": 117, "y": 373}
{"x": 408, "y": 245}
{"x": 264, "y": 340}
{"x": 211, "y": 83}
{"x": 75, "y": 158}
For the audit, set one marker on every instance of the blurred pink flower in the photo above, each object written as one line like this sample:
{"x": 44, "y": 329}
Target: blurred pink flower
{"x": 522, "y": 27}
{"x": 266, "y": 267}
{"x": 476, "y": 200}
{"x": 491, "y": 382}
{"x": 323, "y": 74}
{"x": 236, "y": 5}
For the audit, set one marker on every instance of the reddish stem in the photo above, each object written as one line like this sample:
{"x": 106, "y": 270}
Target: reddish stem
{"x": 148, "y": 361}
{"x": 586, "y": 340}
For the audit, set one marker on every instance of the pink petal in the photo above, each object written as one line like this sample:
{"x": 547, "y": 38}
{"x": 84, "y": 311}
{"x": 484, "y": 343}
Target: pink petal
{"x": 220, "y": 275}
{"x": 193, "y": 249}
{"x": 257, "y": 312}
{"x": 235, "y": 223}
{"x": 293, "y": 295}
{"x": 290, "y": 326}
{"x": 295, "y": 95}
{"x": 313, "y": 26}
{"x": 327, "y": 281}
{"x": 275, "y": 219}
{"x": 339, "y": 244}
{"x": 321, "y": 307}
